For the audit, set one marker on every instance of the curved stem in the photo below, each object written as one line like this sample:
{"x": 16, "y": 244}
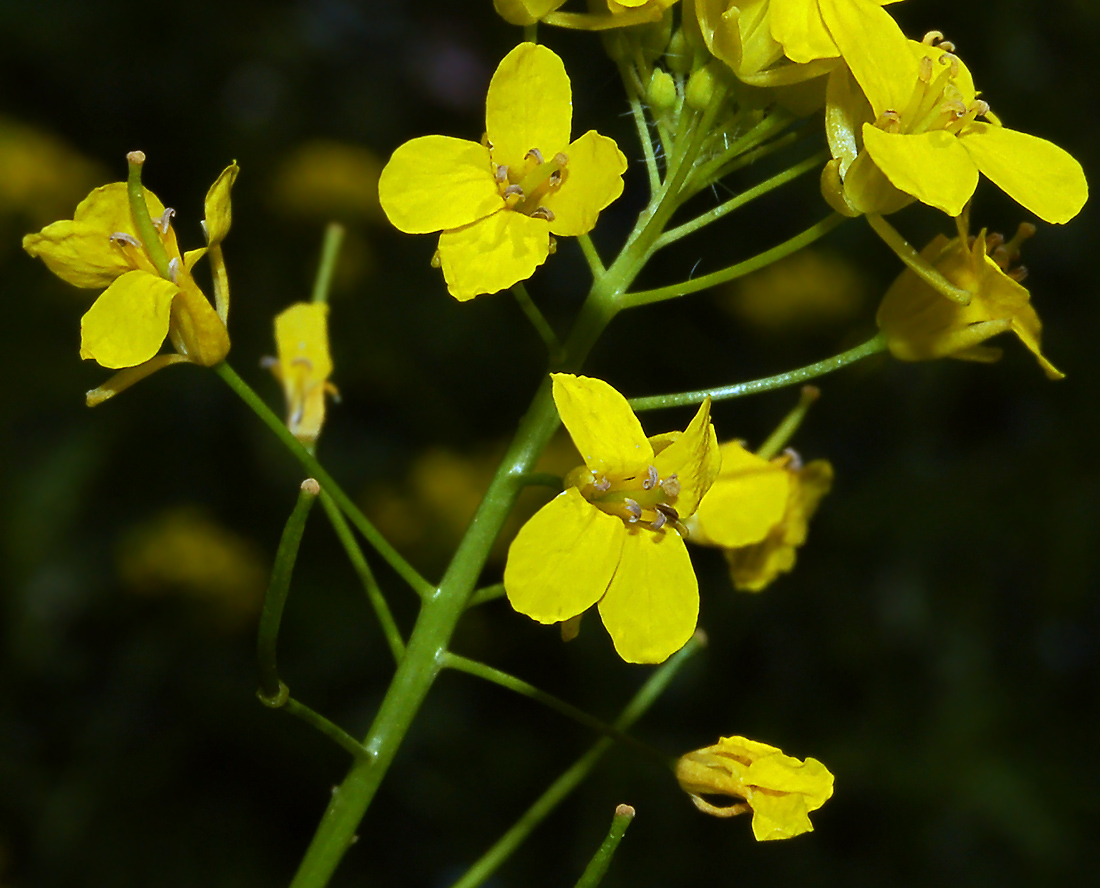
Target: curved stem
{"x": 491, "y": 860}
{"x": 792, "y": 245}
{"x": 486, "y": 593}
{"x": 498, "y": 677}
{"x": 595, "y": 264}
{"x": 783, "y": 433}
{"x": 381, "y": 545}
{"x": 920, "y": 266}
{"x": 538, "y": 321}
{"x": 791, "y": 377}
{"x": 333, "y": 731}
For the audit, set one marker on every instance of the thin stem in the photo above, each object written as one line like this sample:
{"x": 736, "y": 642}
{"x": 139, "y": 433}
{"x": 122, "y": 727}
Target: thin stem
{"x": 783, "y": 433}
{"x": 333, "y": 731}
{"x": 708, "y": 172}
{"x": 647, "y": 143}
{"x": 734, "y": 203}
{"x": 538, "y": 321}
{"x": 531, "y": 33}
{"x": 595, "y": 264}
{"x": 491, "y": 860}
{"x": 486, "y": 593}
{"x": 792, "y": 245}
{"x": 330, "y": 252}
{"x": 268, "y": 635}
{"x": 139, "y": 212}
{"x": 505, "y": 680}
{"x": 791, "y": 377}
{"x": 381, "y": 545}
{"x": 366, "y": 577}
{"x": 601, "y": 860}
{"x": 920, "y": 266}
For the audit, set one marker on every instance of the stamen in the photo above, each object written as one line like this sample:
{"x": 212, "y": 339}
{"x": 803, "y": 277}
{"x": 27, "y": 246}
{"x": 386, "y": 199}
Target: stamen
{"x": 1018, "y": 274}
{"x": 533, "y": 153}
{"x": 543, "y": 213}
{"x": 555, "y": 179}
{"x": 651, "y": 478}
{"x": 658, "y": 522}
{"x": 173, "y": 269}
{"x": 795, "y": 458}
{"x": 501, "y": 174}
{"x": 561, "y": 158}
{"x": 165, "y": 220}
{"x": 932, "y": 38}
{"x": 924, "y": 71}
{"x": 633, "y": 508}
{"x": 671, "y": 486}
{"x": 121, "y": 238}
{"x": 667, "y": 511}
{"x": 602, "y": 485}
{"x": 513, "y": 190}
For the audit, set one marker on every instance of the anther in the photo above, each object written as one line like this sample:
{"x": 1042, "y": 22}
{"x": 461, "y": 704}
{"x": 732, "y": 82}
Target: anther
{"x": 1018, "y": 274}
{"x": 513, "y": 190}
{"x": 561, "y": 158}
{"x": 173, "y": 269}
{"x": 502, "y": 173}
{"x": 555, "y": 179}
{"x": 165, "y": 220}
{"x": 671, "y": 486}
{"x": 667, "y": 511}
{"x": 602, "y": 485}
{"x": 925, "y": 70}
{"x": 658, "y": 522}
{"x": 932, "y": 38}
{"x": 121, "y": 238}
{"x": 633, "y": 508}
{"x": 795, "y": 458}
{"x": 533, "y": 153}
{"x": 543, "y": 213}
{"x": 651, "y": 478}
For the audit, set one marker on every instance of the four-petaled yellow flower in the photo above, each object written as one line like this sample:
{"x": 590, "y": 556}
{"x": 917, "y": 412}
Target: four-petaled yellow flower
{"x": 910, "y": 128}
{"x": 614, "y": 536}
{"x": 920, "y": 325}
{"x": 758, "y": 512}
{"x": 303, "y": 366}
{"x": 126, "y": 326}
{"x": 498, "y": 202}
{"x": 780, "y": 790}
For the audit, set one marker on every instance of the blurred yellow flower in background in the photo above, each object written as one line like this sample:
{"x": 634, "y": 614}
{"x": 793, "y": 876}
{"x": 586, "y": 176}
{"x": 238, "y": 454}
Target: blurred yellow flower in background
{"x": 780, "y": 790}
{"x": 303, "y": 366}
{"x": 324, "y": 180}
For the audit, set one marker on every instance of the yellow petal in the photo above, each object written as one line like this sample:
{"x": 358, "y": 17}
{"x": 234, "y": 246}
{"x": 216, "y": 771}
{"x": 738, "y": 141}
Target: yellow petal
{"x": 525, "y": 12}
{"x": 529, "y": 105}
{"x": 196, "y": 329}
{"x": 652, "y": 605}
{"x": 127, "y": 324}
{"x": 218, "y": 209}
{"x": 79, "y": 251}
{"x": 797, "y": 24}
{"x": 301, "y": 337}
{"x": 932, "y": 166}
{"x": 746, "y": 501}
{"x": 562, "y": 559}
{"x": 492, "y": 253}
{"x": 603, "y": 427}
{"x": 1032, "y": 171}
{"x": 593, "y": 178}
{"x": 791, "y": 789}
{"x": 438, "y": 182}
{"x": 875, "y": 49}
{"x": 694, "y": 458}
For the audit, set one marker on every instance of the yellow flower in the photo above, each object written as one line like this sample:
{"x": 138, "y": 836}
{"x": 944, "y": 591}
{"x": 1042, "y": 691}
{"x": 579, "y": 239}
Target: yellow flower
{"x": 303, "y": 366}
{"x": 620, "y": 13}
{"x": 614, "y": 536}
{"x": 498, "y": 202}
{"x": 780, "y": 790}
{"x": 908, "y": 128}
{"x": 920, "y": 325}
{"x": 799, "y": 26}
{"x": 126, "y": 326}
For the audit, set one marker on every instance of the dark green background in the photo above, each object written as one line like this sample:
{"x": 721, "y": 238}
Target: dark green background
{"x": 937, "y": 647}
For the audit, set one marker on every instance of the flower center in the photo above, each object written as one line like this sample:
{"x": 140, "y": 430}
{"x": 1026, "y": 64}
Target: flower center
{"x": 643, "y": 498}
{"x": 525, "y": 187}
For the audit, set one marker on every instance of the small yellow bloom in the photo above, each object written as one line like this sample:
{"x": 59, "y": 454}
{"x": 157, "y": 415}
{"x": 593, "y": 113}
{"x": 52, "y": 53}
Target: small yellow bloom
{"x": 920, "y": 325}
{"x": 909, "y": 127}
{"x": 758, "y": 512}
{"x": 620, "y": 13}
{"x": 780, "y": 790}
{"x": 499, "y": 202}
{"x": 303, "y": 366}
{"x": 614, "y": 536}
{"x": 128, "y": 323}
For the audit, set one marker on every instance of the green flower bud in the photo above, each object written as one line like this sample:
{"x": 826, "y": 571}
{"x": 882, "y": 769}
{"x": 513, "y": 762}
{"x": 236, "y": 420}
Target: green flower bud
{"x": 661, "y": 93}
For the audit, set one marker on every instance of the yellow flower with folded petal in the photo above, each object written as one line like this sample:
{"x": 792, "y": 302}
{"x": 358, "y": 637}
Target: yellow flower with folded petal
{"x": 499, "y": 203}
{"x": 615, "y": 535}
{"x": 620, "y": 13}
{"x": 142, "y": 306}
{"x": 780, "y": 790}
{"x": 920, "y": 325}
{"x": 798, "y": 25}
{"x": 758, "y": 512}
{"x": 909, "y": 127}
{"x": 303, "y": 366}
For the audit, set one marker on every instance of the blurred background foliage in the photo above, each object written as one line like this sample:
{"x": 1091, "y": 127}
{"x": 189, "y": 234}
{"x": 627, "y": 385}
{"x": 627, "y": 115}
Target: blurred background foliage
{"x": 937, "y": 645}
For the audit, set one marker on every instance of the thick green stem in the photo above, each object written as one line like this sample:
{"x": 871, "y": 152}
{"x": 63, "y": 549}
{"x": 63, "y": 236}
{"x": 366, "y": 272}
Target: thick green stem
{"x": 271, "y": 688}
{"x": 791, "y": 377}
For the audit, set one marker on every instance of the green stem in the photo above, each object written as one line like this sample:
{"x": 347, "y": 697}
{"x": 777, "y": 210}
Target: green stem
{"x": 778, "y": 439}
{"x": 920, "y": 266}
{"x": 491, "y": 860}
{"x": 405, "y": 570}
{"x": 366, "y": 577}
{"x": 792, "y": 245}
{"x": 496, "y": 676}
{"x": 267, "y": 636}
{"x": 330, "y": 252}
{"x": 333, "y": 731}
{"x": 714, "y": 168}
{"x": 791, "y": 377}
{"x": 538, "y": 321}
{"x": 139, "y": 212}
{"x": 601, "y": 860}
{"x": 595, "y": 264}
{"x": 647, "y": 143}
{"x": 486, "y": 593}
{"x": 734, "y": 203}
